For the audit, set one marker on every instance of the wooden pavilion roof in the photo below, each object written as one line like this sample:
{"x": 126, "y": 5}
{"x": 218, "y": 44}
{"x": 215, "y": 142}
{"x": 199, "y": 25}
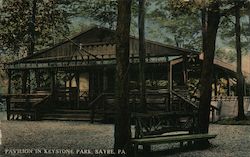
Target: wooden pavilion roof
{"x": 99, "y": 43}
{"x": 228, "y": 68}
{"x": 96, "y": 46}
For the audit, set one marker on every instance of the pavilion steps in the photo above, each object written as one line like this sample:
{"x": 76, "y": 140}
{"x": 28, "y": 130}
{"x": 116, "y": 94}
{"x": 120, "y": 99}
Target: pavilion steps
{"x": 70, "y": 115}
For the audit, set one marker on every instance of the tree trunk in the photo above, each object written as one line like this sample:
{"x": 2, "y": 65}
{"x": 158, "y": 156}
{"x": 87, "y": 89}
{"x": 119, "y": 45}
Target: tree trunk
{"x": 210, "y": 22}
{"x": 32, "y": 28}
{"x": 32, "y": 39}
{"x": 142, "y": 54}
{"x": 122, "y": 132}
{"x": 240, "y": 81}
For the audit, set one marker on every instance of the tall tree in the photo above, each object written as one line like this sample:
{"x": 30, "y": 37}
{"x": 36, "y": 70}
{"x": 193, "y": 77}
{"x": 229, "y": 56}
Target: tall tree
{"x": 240, "y": 78}
{"x": 122, "y": 125}
{"x": 142, "y": 54}
{"x": 210, "y": 24}
{"x": 32, "y": 28}
{"x": 32, "y": 44}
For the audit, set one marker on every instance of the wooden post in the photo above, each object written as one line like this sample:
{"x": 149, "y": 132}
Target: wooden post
{"x": 65, "y": 84}
{"x": 24, "y": 81}
{"x": 77, "y": 76}
{"x": 28, "y": 81}
{"x": 93, "y": 84}
{"x": 99, "y": 87}
{"x": 70, "y": 88}
{"x": 171, "y": 77}
{"x": 9, "y": 92}
{"x": 38, "y": 79}
{"x": 228, "y": 86}
{"x": 90, "y": 85}
{"x": 105, "y": 80}
{"x": 245, "y": 87}
{"x": 213, "y": 115}
{"x": 70, "y": 81}
{"x": 215, "y": 85}
{"x": 169, "y": 85}
{"x": 142, "y": 54}
{"x": 52, "y": 83}
{"x": 184, "y": 69}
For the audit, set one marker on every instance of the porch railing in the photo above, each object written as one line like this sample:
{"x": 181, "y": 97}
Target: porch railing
{"x": 25, "y": 106}
{"x": 155, "y": 101}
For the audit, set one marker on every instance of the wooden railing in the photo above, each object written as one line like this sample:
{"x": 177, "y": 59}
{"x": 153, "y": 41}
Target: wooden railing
{"x": 105, "y": 103}
{"x": 94, "y": 104}
{"x": 38, "y": 106}
{"x": 25, "y": 105}
{"x": 86, "y": 61}
{"x": 184, "y": 102}
{"x": 195, "y": 105}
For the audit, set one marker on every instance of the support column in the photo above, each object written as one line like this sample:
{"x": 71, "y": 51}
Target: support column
{"x": 245, "y": 87}
{"x": 105, "y": 80}
{"x": 170, "y": 77}
{"x": 184, "y": 70}
{"x": 29, "y": 81}
{"x": 52, "y": 87}
{"x": 77, "y": 76}
{"x": 37, "y": 75}
{"x": 228, "y": 86}
{"x": 70, "y": 80}
{"x": 215, "y": 85}
{"x": 70, "y": 89}
{"x": 92, "y": 84}
{"x": 52, "y": 82}
{"x": 24, "y": 76}
{"x": 9, "y": 92}
{"x": 99, "y": 87}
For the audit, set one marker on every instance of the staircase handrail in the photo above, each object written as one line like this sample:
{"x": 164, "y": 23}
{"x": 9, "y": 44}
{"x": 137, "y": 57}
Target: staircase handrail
{"x": 93, "y": 102}
{"x": 93, "y": 105}
{"x": 185, "y": 99}
{"x": 34, "y": 108}
{"x": 38, "y": 105}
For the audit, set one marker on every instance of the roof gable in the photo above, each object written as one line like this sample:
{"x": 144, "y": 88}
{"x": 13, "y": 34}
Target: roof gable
{"x": 100, "y": 41}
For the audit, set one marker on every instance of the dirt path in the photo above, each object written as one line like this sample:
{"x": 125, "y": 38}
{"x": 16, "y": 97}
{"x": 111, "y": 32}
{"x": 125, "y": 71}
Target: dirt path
{"x": 232, "y": 141}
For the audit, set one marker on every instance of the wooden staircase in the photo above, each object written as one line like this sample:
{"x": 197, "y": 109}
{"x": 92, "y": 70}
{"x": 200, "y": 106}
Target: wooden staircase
{"x": 70, "y": 115}
{"x": 25, "y": 106}
{"x": 181, "y": 100}
{"x": 101, "y": 109}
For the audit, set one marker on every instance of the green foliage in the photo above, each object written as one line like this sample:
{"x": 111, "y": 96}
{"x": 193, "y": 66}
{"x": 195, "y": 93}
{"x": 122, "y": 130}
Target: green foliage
{"x": 227, "y": 54}
{"x": 227, "y": 34}
{"x": 182, "y": 29}
{"x": 103, "y": 11}
{"x": 15, "y": 21}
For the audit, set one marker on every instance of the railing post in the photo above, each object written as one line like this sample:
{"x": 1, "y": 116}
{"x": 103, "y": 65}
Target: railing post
{"x": 92, "y": 116}
{"x": 213, "y": 115}
{"x": 168, "y": 102}
{"x": 9, "y": 92}
{"x": 8, "y": 107}
{"x": 104, "y": 107}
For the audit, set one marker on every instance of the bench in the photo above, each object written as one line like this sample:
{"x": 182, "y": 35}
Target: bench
{"x": 169, "y": 139}
{"x": 171, "y": 127}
